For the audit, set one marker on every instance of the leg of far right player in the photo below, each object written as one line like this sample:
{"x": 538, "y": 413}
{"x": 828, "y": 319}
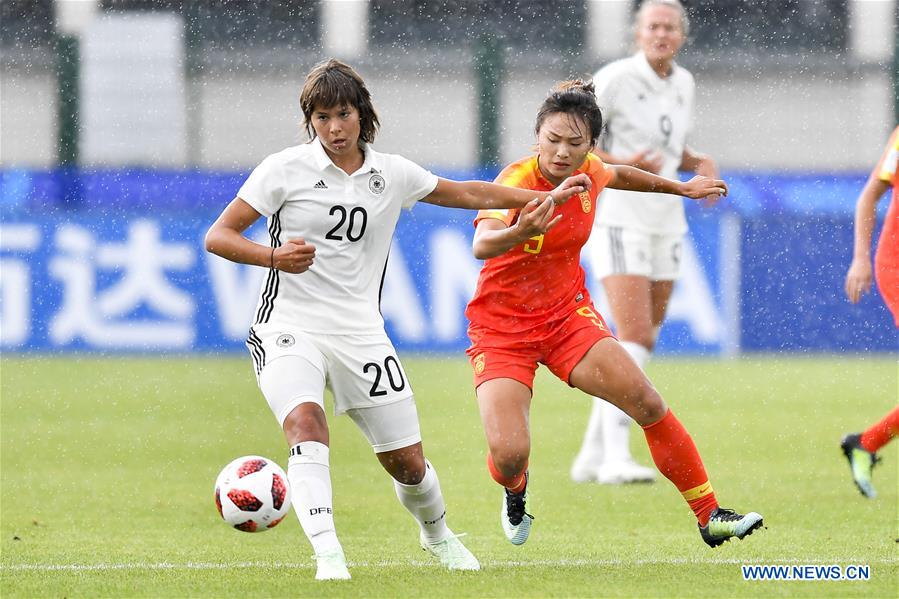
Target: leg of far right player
{"x": 607, "y": 371}
{"x": 505, "y": 404}
{"x": 861, "y": 450}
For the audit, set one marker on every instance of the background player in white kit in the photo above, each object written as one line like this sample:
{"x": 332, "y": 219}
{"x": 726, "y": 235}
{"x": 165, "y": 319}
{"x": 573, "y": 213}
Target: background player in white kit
{"x": 635, "y": 247}
{"x": 332, "y": 206}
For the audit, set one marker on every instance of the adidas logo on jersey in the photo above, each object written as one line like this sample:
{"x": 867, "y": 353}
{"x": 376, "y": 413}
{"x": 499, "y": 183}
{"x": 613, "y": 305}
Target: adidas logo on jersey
{"x": 320, "y": 185}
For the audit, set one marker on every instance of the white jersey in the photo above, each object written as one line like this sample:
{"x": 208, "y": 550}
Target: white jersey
{"x": 643, "y": 111}
{"x": 350, "y": 219}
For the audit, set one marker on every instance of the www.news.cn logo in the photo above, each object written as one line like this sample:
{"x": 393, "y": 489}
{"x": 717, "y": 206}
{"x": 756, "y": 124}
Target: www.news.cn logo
{"x": 806, "y": 572}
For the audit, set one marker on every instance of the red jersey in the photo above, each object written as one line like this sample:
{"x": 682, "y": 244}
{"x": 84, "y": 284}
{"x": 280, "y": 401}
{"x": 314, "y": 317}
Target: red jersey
{"x": 887, "y": 170}
{"x": 886, "y": 260}
{"x": 540, "y": 280}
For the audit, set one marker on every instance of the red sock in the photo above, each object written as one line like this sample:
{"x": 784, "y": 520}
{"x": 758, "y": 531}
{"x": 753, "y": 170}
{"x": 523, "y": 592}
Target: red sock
{"x": 516, "y": 483}
{"x": 880, "y": 434}
{"x": 676, "y": 457}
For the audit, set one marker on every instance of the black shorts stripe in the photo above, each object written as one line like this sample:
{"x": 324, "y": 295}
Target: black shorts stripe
{"x": 252, "y": 348}
{"x": 256, "y": 350}
{"x": 273, "y": 280}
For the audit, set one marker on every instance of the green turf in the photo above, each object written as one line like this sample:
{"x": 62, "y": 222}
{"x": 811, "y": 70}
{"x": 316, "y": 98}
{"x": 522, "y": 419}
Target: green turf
{"x": 108, "y": 467}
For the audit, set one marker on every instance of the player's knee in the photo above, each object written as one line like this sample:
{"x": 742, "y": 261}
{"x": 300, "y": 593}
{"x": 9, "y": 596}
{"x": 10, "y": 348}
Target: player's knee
{"x": 410, "y": 477}
{"x": 306, "y": 422}
{"x": 650, "y": 406}
{"x": 511, "y": 461}
{"x": 407, "y": 471}
{"x": 406, "y": 465}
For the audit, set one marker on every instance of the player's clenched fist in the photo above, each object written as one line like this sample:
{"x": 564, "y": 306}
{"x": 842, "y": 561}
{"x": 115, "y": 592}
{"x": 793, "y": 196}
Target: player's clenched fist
{"x": 570, "y": 186}
{"x": 294, "y": 256}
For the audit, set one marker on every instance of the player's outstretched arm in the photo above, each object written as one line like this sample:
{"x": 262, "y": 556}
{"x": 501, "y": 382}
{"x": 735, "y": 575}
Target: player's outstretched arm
{"x": 860, "y": 274}
{"x": 481, "y": 195}
{"x": 493, "y": 238}
{"x": 225, "y": 238}
{"x": 634, "y": 179}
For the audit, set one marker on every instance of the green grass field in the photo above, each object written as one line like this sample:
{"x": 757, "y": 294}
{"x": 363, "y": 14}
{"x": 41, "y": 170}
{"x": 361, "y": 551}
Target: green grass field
{"x": 108, "y": 467}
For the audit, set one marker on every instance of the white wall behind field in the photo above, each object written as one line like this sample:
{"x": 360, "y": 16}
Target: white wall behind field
{"x": 806, "y": 120}
{"x": 798, "y": 123}
{"x": 27, "y": 118}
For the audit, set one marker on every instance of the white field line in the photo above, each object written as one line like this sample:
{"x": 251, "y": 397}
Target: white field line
{"x": 562, "y": 563}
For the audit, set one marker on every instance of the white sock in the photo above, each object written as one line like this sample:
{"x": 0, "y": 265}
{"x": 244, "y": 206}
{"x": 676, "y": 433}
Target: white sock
{"x": 310, "y": 486}
{"x": 616, "y": 425}
{"x": 638, "y": 352}
{"x": 591, "y": 447}
{"x": 425, "y": 502}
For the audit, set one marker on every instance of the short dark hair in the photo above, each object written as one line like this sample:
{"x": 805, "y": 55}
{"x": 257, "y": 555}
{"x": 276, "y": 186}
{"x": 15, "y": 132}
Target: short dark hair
{"x": 335, "y": 83}
{"x": 576, "y": 98}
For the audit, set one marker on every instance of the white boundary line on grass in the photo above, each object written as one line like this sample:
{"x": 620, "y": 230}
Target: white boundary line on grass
{"x": 430, "y": 564}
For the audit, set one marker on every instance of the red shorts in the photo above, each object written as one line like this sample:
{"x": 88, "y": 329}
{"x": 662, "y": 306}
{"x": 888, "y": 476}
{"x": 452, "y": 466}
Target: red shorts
{"x": 886, "y": 261}
{"x": 559, "y": 344}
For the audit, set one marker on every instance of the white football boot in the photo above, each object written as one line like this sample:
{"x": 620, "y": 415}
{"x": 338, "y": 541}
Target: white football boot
{"x": 515, "y": 520}
{"x": 585, "y": 468}
{"x": 331, "y": 565}
{"x": 451, "y": 553}
{"x": 624, "y": 472}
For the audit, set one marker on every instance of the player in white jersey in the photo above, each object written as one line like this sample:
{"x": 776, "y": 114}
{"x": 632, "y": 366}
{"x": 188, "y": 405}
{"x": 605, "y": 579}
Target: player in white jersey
{"x": 332, "y": 206}
{"x": 635, "y": 247}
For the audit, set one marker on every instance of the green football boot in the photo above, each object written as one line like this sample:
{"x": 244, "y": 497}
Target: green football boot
{"x": 861, "y": 462}
{"x": 725, "y": 524}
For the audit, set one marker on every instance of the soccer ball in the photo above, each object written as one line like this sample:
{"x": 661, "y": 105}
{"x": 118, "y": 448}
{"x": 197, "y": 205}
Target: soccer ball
{"x": 252, "y": 494}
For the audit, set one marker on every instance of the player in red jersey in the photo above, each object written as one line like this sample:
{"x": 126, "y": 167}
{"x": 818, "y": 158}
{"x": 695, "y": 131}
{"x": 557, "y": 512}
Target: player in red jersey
{"x": 861, "y": 448}
{"x": 532, "y": 306}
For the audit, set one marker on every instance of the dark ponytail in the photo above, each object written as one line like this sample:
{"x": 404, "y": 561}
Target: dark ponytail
{"x": 576, "y": 98}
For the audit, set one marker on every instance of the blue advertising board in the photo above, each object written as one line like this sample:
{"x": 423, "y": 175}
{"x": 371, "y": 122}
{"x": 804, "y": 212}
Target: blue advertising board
{"x": 113, "y": 261}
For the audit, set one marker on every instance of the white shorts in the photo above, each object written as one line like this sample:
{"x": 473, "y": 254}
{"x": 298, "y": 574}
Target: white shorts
{"x": 362, "y": 372}
{"x": 623, "y": 251}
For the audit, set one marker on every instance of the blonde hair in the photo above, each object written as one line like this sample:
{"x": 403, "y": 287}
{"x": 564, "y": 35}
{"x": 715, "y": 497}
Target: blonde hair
{"x": 675, "y": 4}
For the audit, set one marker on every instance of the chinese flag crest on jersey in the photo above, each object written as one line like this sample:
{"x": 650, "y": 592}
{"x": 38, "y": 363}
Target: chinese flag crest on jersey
{"x": 586, "y": 204}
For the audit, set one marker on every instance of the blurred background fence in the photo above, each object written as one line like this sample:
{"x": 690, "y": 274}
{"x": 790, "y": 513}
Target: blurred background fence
{"x": 126, "y": 125}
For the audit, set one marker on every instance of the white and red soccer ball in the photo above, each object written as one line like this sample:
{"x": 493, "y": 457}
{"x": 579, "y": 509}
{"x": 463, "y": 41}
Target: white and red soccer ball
{"x": 252, "y": 494}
